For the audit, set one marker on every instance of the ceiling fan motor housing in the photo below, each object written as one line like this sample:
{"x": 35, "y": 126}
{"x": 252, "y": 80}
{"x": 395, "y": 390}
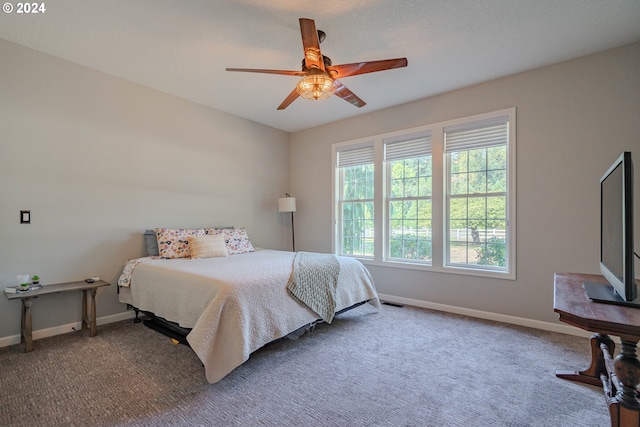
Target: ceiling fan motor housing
{"x": 325, "y": 59}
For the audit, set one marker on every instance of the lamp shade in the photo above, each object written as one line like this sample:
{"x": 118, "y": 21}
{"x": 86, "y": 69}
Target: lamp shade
{"x": 287, "y": 204}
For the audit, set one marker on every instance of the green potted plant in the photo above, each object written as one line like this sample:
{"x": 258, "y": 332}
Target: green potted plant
{"x": 23, "y": 283}
{"x": 35, "y": 282}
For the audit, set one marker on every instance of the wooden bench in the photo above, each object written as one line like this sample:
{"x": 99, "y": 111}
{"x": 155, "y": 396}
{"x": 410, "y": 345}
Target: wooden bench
{"x": 88, "y": 319}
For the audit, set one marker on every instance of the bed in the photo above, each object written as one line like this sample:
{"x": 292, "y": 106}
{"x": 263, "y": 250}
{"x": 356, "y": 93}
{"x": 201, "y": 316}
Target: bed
{"x": 234, "y": 304}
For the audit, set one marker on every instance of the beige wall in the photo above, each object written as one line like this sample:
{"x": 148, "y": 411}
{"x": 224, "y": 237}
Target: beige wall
{"x": 98, "y": 159}
{"x": 573, "y": 120}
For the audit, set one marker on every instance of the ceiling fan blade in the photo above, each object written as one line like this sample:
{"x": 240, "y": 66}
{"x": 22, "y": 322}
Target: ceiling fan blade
{"x": 289, "y": 99}
{"x": 346, "y": 70}
{"x": 343, "y": 92}
{"x": 311, "y": 44}
{"x": 256, "y": 70}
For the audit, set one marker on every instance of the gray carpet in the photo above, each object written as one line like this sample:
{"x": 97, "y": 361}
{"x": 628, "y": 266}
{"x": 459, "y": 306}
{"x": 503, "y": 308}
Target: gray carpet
{"x": 399, "y": 366}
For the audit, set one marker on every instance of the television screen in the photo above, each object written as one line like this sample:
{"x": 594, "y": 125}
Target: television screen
{"x": 612, "y": 223}
{"x": 616, "y": 234}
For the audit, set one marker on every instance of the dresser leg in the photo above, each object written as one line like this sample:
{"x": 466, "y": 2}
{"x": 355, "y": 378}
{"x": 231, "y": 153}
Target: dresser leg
{"x": 624, "y": 407}
{"x": 591, "y": 375}
{"x": 627, "y": 368}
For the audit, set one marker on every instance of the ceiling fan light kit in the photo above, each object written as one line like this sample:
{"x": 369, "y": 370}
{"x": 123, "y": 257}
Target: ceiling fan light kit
{"x": 319, "y": 76}
{"x": 316, "y": 86}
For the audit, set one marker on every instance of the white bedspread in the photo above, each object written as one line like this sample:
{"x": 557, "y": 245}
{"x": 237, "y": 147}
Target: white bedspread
{"x": 234, "y": 304}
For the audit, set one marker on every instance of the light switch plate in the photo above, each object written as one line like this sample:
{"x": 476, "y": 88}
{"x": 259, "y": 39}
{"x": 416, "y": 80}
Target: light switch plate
{"x": 25, "y": 217}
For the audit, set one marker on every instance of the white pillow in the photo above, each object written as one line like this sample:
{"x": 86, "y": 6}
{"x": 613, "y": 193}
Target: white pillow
{"x": 210, "y": 246}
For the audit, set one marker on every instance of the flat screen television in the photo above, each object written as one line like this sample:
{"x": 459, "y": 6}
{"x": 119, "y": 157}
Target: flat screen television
{"x": 616, "y": 236}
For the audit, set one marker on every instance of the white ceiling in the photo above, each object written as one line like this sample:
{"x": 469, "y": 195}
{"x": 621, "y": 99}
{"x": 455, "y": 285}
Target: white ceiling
{"x": 183, "y": 47}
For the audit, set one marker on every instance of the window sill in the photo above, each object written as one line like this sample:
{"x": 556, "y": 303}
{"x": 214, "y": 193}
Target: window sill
{"x": 447, "y": 270}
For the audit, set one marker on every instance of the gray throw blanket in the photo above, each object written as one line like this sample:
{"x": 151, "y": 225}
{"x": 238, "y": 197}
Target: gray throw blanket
{"x": 314, "y": 282}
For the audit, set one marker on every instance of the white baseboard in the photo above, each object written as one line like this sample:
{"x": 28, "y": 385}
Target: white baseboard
{"x": 69, "y": 327}
{"x": 520, "y": 321}
{"x": 129, "y": 314}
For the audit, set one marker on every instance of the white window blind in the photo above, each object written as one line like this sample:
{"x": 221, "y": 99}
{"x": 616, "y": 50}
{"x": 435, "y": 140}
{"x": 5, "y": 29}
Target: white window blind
{"x": 355, "y": 157}
{"x": 407, "y": 149}
{"x": 484, "y": 136}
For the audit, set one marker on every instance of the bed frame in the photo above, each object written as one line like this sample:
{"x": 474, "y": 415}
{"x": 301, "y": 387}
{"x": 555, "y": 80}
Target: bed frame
{"x": 165, "y": 327}
{"x": 178, "y": 333}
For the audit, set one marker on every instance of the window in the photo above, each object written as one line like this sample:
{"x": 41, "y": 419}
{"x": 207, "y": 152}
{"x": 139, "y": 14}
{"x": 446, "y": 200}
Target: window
{"x": 439, "y": 197}
{"x": 408, "y": 198}
{"x": 476, "y": 197}
{"x": 356, "y": 201}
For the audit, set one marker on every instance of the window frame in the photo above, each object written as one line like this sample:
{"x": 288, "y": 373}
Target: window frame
{"x": 438, "y": 196}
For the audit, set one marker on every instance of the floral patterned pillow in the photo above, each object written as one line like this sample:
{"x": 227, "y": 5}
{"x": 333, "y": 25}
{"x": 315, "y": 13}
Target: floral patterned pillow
{"x": 173, "y": 242}
{"x": 215, "y": 231}
{"x": 236, "y": 239}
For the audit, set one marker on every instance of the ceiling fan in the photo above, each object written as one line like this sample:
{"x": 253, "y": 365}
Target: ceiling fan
{"x": 319, "y": 76}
